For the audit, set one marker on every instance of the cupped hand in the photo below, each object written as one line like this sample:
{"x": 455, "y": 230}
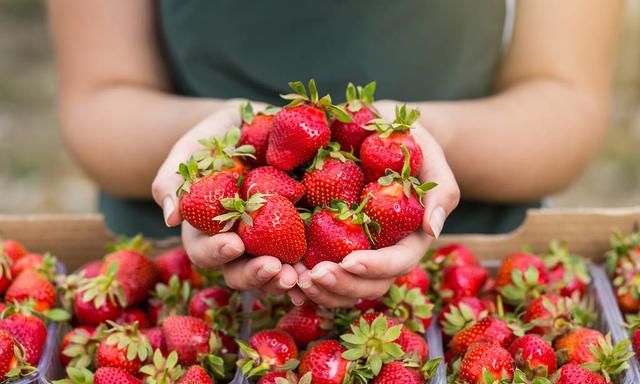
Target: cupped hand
{"x": 223, "y": 250}
{"x": 370, "y": 273}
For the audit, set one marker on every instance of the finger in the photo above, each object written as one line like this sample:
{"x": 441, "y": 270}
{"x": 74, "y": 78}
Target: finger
{"x": 331, "y": 277}
{"x": 282, "y": 282}
{"x": 321, "y": 296}
{"x": 389, "y": 262}
{"x": 251, "y": 272}
{"x": 444, "y": 198}
{"x": 297, "y": 296}
{"x": 211, "y": 251}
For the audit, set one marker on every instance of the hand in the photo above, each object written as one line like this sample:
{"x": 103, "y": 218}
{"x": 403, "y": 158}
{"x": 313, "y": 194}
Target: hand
{"x": 222, "y": 250}
{"x": 369, "y": 274}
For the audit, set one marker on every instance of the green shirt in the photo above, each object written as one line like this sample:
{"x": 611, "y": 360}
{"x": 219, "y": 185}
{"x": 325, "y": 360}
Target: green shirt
{"x": 416, "y": 50}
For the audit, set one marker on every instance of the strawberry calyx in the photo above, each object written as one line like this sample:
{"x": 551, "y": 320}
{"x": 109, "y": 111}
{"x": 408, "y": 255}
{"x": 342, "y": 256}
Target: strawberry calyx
{"x": 214, "y": 363}
{"x": 136, "y": 243}
{"x": 82, "y": 347}
{"x": 48, "y": 267}
{"x": 224, "y": 319}
{"x": 564, "y": 316}
{"x": 403, "y": 122}
{"x": 632, "y": 322}
{"x": 20, "y": 367}
{"x": 357, "y": 96}
{"x": 355, "y": 215}
{"x": 28, "y": 308}
{"x": 219, "y": 151}
{"x": 622, "y": 246}
{"x": 460, "y": 317}
{"x": 409, "y": 306}
{"x": 161, "y": 369}
{"x": 76, "y": 375}
{"x": 373, "y": 343}
{"x": 627, "y": 276}
{"x": 291, "y": 379}
{"x": 190, "y": 172}
{"x": 240, "y": 209}
{"x": 247, "y": 113}
{"x": 254, "y": 365}
{"x": 332, "y": 150}
{"x": 300, "y": 96}
{"x": 103, "y": 287}
{"x": 174, "y": 297}
{"x": 405, "y": 179}
{"x": 520, "y": 377}
{"x": 573, "y": 265}
{"x": 5, "y": 265}
{"x": 609, "y": 360}
{"x": 129, "y": 338}
{"x": 523, "y": 288}
{"x": 487, "y": 378}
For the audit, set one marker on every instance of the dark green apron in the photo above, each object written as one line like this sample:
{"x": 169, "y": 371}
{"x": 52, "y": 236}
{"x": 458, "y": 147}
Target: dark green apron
{"x": 415, "y": 50}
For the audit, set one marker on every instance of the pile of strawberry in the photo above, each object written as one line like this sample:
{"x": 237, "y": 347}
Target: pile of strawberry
{"x": 27, "y": 283}
{"x": 359, "y": 191}
{"x": 532, "y": 323}
{"x": 138, "y": 319}
{"x": 623, "y": 267}
{"x": 380, "y": 341}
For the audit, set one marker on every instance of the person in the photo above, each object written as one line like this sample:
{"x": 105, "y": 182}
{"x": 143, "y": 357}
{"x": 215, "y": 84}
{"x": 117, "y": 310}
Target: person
{"x": 139, "y": 80}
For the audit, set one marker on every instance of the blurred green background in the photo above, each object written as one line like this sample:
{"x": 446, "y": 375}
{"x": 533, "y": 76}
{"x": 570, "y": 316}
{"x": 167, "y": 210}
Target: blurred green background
{"x": 37, "y": 175}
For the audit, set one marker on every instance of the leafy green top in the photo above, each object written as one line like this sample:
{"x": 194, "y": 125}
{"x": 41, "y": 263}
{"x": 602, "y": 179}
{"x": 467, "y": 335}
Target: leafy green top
{"x": 408, "y": 182}
{"x": 300, "y": 96}
{"x": 403, "y": 122}
{"x": 357, "y": 96}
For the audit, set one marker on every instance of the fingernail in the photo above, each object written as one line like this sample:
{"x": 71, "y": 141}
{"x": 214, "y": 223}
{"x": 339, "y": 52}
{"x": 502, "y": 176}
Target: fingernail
{"x": 318, "y": 273}
{"x": 267, "y": 271}
{"x": 328, "y": 280}
{"x": 296, "y": 300}
{"x": 272, "y": 267}
{"x": 229, "y": 250}
{"x": 353, "y": 266}
{"x": 167, "y": 209}
{"x": 436, "y": 221}
{"x": 286, "y": 284}
{"x": 312, "y": 291}
{"x": 304, "y": 282}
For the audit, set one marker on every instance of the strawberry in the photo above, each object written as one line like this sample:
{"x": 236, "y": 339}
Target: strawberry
{"x": 333, "y": 175}
{"x": 269, "y": 225}
{"x": 553, "y": 315}
{"x": 350, "y": 135}
{"x": 136, "y": 273}
{"x": 28, "y": 261}
{"x": 168, "y": 299}
{"x": 32, "y": 285}
{"x": 5, "y": 272}
{"x": 162, "y": 369}
{"x": 272, "y": 378}
{"x": 383, "y": 150}
{"x": 622, "y": 248}
{"x": 270, "y": 180}
{"x": 91, "y": 269}
{"x": 626, "y": 283}
{"x": 567, "y": 273}
{"x": 124, "y": 348}
{"x": 301, "y": 127}
{"x": 306, "y": 323}
{"x": 99, "y": 299}
{"x": 461, "y": 314}
{"x": 13, "y": 250}
{"x": 29, "y": 331}
{"x": 200, "y": 196}
{"x": 486, "y": 360}
{"x": 335, "y": 232}
{"x": 574, "y": 373}
{"x": 366, "y": 305}
{"x": 413, "y": 345}
{"x": 132, "y": 315}
{"x": 78, "y": 346}
{"x": 222, "y": 154}
{"x": 176, "y": 262}
{"x": 491, "y": 329}
{"x": 268, "y": 350}
{"x": 195, "y": 375}
{"x": 417, "y": 278}
{"x": 532, "y": 354}
{"x": 108, "y": 375}
{"x": 255, "y": 131}
{"x": 187, "y": 335}
{"x": 456, "y": 255}
{"x": 395, "y": 203}
{"x": 156, "y": 339}
{"x": 217, "y": 306}
{"x": 325, "y": 363}
{"x": 410, "y": 307}
{"x": 12, "y": 364}
{"x": 407, "y": 372}
{"x": 461, "y": 281}
{"x": 521, "y": 277}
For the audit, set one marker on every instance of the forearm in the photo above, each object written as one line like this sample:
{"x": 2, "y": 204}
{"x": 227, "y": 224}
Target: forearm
{"x": 121, "y": 133}
{"x": 524, "y": 143}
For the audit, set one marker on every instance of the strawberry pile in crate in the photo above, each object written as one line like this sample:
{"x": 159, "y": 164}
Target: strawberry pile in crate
{"x": 379, "y": 341}
{"x": 532, "y": 323}
{"x": 28, "y": 283}
{"x": 359, "y": 191}
{"x": 138, "y": 319}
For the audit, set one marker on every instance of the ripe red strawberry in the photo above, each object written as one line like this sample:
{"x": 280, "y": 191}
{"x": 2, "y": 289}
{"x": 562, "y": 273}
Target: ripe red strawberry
{"x": 542, "y": 313}
{"x": 306, "y": 323}
{"x": 383, "y": 150}
{"x": 109, "y": 375}
{"x": 623, "y": 248}
{"x": 486, "y": 357}
{"x": 133, "y": 315}
{"x": 462, "y": 281}
{"x": 275, "y": 347}
{"x": 78, "y": 346}
{"x": 29, "y": 331}
{"x": 366, "y": 305}
{"x": 532, "y": 353}
{"x": 490, "y": 329}
{"x": 395, "y": 204}
{"x": 28, "y": 261}
{"x": 270, "y": 180}
{"x": 351, "y": 135}
{"x": 175, "y": 262}
{"x": 455, "y": 255}
{"x": 461, "y": 314}
{"x": 93, "y": 310}
{"x": 568, "y": 273}
{"x": 333, "y": 175}
{"x": 574, "y": 373}
{"x": 370, "y": 317}
{"x": 325, "y": 362}
{"x": 187, "y": 335}
{"x": 208, "y": 299}
{"x": 626, "y": 282}
{"x": 9, "y": 359}
{"x": 270, "y": 378}
{"x": 195, "y": 375}
{"x": 32, "y": 285}
{"x": 5, "y": 272}
{"x": 335, "y": 232}
{"x": 301, "y": 128}
{"x": 136, "y": 273}
{"x": 521, "y": 261}
{"x": 156, "y": 339}
{"x": 200, "y": 197}
{"x": 255, "y": 132}
{"x": 413, "y": 344}
{"x": 269, "y": 225}
{"x": 91, "y": 269}
{"x": 417, "y": 278}
{"x": 124, "y": 348}
{"x": 13, "y": 250}
{"x": 576, "y": 345}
